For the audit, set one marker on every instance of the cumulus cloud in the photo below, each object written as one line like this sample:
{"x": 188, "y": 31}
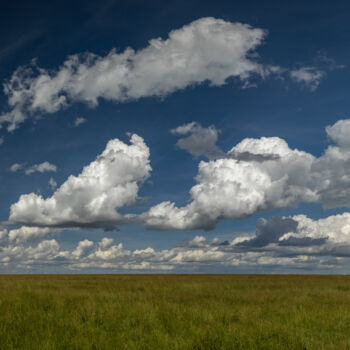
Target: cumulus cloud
{"x": 40, "y": 168}
{"x": 334, "y": 229}
{"x": 281, "y": 243}
{"x": 255, "y": 175}
{"x": 92, "y": 198}
{"x": 339, "y": 133}
{"x": 194, "y": 255}
{"x": 27, "y": 234}
{"x": 83, "y": 248}
{"x": 231, "y": 188}
{"x": 276, "y": 177}
{"x": 207, "y": 49}
{"x": 201, "y": 140}
{"x": 309, "y": 76}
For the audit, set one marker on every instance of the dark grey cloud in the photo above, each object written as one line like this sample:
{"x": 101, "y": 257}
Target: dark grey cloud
{"x": 270, "y": 231}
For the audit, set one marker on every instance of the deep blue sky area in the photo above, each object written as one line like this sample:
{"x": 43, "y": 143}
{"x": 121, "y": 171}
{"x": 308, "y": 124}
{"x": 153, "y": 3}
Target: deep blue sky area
{"x": 300, "y": 34}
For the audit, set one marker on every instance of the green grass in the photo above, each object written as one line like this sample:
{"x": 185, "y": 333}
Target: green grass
{"x": 174, "y": 312}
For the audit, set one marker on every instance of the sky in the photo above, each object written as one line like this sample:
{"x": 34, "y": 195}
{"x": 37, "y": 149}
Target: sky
{"x": 174, "y": 137}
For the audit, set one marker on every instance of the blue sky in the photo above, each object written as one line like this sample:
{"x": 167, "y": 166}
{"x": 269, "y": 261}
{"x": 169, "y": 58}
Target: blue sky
{"x": 240, "y": 158}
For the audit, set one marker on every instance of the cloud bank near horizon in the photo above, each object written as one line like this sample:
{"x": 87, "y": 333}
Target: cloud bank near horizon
{"x": 282, "y": 243}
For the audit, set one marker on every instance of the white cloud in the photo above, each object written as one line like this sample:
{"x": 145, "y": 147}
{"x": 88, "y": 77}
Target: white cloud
{"x": 282, "y": 244}
{"x": 80, "y": 120}
{"x": 93, "y": 197}
{"x": 273, "y": 176}
{"x": 310, "y": 76}
{"x": 41, "y": 168}
{"x": 335, "y": 229}
{"x": 16, "y": 167}
{"x": 207, "y": 49}
{"x": 231, "y": 188}
{"x": 255, "y": 175}
{"x": 196, "y": 254}
{"x": 339, "y": 133}
{"x": 25, "y": 234}
{"x": 83, "y": 249}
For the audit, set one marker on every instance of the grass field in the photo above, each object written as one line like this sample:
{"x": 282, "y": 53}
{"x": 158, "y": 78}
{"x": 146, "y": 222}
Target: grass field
{"x": 174, "y": 312}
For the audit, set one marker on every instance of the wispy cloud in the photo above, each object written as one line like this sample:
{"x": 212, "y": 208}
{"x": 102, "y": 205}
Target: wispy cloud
{"x": 40, "y": 168}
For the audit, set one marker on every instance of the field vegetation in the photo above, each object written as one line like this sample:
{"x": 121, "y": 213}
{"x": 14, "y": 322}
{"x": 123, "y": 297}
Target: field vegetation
{"x": 174, "y": 312}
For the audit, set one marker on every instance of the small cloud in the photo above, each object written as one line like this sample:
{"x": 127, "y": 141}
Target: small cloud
{"x": 309, "y": 76}
{"x": 1, "y": 140}
{"x": 80, "y": 120}
{"x": 200, "y": 140}
{"x": 17, "y": 166}
{"x": 52, "y": 183}
{"x": 327, "y": 62}
{"x": 40, "y": 168}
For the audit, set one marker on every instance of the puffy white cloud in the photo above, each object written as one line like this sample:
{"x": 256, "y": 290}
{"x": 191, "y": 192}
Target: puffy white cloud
{"x": 83, "y": 249}
{"x": 335, "y": 228}
{"x": 196, "y": 254}
{"x": 106, "y": 242}
{"x": 310, "y": 76}
{"x": 255, "y": 175}
{"x": 269, "y": 175}
{"x": 339, "y": 133}
{"x": 40, "y": 168}
{"x": 231, "y": 188}
{"x": 282, "y": 244}
{"x": 26, "y": 234}
{"x": 207, "y": 49}
{"x": 92, "y": 198}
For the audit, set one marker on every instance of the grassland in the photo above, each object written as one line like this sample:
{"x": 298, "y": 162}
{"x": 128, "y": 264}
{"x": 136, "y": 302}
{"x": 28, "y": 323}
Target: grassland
{"x": 174, "y": 312}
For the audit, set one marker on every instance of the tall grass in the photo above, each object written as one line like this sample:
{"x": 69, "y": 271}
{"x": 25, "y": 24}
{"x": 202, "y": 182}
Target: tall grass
{"x": 174, "y": 312}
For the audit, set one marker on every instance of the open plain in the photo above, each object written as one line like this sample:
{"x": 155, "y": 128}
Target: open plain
{"x": 174, "y": 312}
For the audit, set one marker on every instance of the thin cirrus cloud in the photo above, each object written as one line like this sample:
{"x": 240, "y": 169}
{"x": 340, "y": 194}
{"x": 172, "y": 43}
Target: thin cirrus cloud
{"x": 40, "y": 168}
{"x": 255, "y": 175}
{"x": 207, "y": 49}
{"x": 36, "y": 168}
{"x": 309, "y": 76}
